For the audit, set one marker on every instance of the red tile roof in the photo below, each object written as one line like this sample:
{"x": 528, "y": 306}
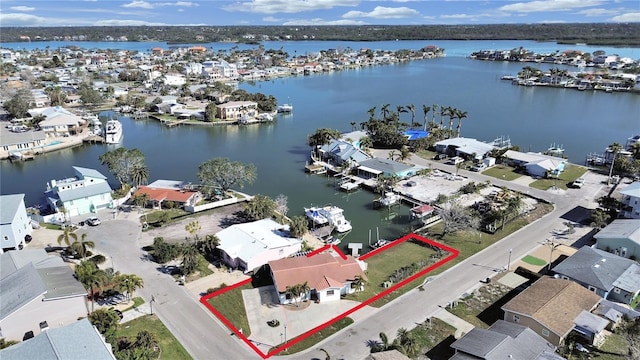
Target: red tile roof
{"x": 320, "y": 271}
{"x": 159, "y": 194}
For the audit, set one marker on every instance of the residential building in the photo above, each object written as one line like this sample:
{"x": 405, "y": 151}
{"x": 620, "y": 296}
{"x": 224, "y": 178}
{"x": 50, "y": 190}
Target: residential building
{"x": 610, "y": 276}
{"x": 621, "y": 237}
{"x": 15, "y": 224}
{"x": 75, "y": 341}
{"x": 179, "y": 192}
{"x": 372, "y": 168}
{"x": 536, "y": 164}
{"x": 58, "y": 121}
{"x": 503, "y": 340}
{"x": 550, "y": 307}
{"x": 339, "y": 151}
{"x": 250, "y": 245}
{"x": 630, "y": 203}
{"x": 37, "y": 290}
{"x": 21, "y": 141}
{"x": 234, "y": 110}
{"x": 464, "y": 147}
{"x": 86, "y": 192}
{"x": 328, "y": 276}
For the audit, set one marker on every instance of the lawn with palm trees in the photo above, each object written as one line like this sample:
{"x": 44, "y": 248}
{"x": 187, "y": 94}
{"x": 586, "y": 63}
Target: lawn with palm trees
{"x": 170, "y": 347}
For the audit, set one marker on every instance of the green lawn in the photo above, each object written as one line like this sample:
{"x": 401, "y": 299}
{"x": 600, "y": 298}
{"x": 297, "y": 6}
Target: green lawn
{"x": 231, "y": 305}
{"x": 170, "y": 348}
{"x": 570, "y": 173}
{"x": 469, "y": 314}
{"x": 155, "y": 216}
{"x": 429, "y": 336}
{"x": 614, "y": 347}
{"x": 503, "y": 172}
{"x": 316, "y": 337}
{"x": 533, "y": 260}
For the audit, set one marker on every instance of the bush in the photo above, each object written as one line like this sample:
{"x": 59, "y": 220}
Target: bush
{"x": 98, "y": 259}
{"x": 163, "y": 251}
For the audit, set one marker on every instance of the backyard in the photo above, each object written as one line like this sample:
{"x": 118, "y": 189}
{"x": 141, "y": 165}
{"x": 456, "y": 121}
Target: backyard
{"x": 570, "y": 173}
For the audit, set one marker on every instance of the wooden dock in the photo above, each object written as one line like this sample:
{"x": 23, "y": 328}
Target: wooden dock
{"x": 315, "y": 169}
{"x": 93, "y": 139}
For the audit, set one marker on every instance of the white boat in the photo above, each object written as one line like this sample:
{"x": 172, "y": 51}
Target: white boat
{"x": 285, "y": 108}
{"x": 380, "y": 243}
{"x": 333, "y": 241}
{"x": 15, "y": 155}
{"x": 113, "y": 132}
{"x": 389, "y": 198}
{"x": 265, "y": 117}
{"x": 331, "y": 215}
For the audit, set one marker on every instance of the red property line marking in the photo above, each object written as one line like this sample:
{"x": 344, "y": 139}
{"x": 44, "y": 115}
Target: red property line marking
{"x": 454, "y": 253}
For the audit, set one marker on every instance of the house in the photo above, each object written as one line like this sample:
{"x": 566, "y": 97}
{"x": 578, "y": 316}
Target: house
{"x": 372, "y": 168}
{"x": 550, "y": 307}
{"x": 234, "y": 110}
{"x": 503, "y": 340}
{"x": 614, "y": 313}
{"x": 621, "y": 237}
{"x": 179, "y": 192}
{"x": 15, "y": 224}
{"x": 86, "y": 192}
{"x": 630, "y": 203}
{"x": 75, "y": 341}
{"x": 327, "y": 276}
{"x": 58, "y": 121}
{"x": 340, "y": 151}
{"x": 610, "y": 276}
{"x": 464, "y": 147}
{"x": 536, "y": 164}
{"x": 21, "y": 141}
{"x": 250, "y": 245}
{"x": 37, "y": 290}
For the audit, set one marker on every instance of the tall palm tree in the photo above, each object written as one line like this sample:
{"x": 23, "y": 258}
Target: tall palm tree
{"x": 443, "y": 112}
{"x": 412, "y": 110}
{"x": 66, "y": 236}
{"x": 434, "y": 107}
{"x": 141, "y": 200}
{"x": 91, "y": 277}
{"x": 384, "y": 111}
{"x": 128, "y": 284}
{"x": 140, "y": 174}
{"x": 209, "y": 244}
{"x": 82, "y": 247}
{"x": 451, "y": 113}
{"x": 353, "y": 126}
{"x": 425, "y": 111}
{"x": 614, "y": 148}
{"x": 460, "y": 115}
{"x": 372, "y": 112}
{"x": 189, "y": 258}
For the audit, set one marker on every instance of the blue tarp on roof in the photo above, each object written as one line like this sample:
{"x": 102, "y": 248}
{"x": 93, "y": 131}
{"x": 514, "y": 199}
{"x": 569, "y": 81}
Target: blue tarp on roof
{"x": 416, "y": 134}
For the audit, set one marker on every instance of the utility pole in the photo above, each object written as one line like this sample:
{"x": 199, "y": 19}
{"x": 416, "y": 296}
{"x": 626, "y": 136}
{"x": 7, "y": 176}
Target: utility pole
{"x": 153, "y": 299}
{"x": 509, "y": 262}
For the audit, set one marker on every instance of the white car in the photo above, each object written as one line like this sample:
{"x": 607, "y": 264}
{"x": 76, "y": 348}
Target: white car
{"x": 93, "y": 221}
{"x": 577, "y": 183}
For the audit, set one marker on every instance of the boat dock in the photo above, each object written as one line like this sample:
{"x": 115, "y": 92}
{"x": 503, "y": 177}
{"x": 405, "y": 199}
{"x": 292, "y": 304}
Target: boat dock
{"x": 93, "y": 139}
{"x": 348, "y": 182}
{"x": 315, "y": 169}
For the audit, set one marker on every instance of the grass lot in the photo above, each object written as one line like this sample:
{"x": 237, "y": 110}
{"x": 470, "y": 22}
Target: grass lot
{"x": 231, "y": 305}
{"x": 155, "y": 216}
{"x": 482, "y": 308}
{"x": 202, "y": 269}
{"x": 614, "y": 347}
{"x": 170, "y": 347}
{"x": 434, "y": 339}
{"x": 570, "y": 173}
{"x": 426, "y": 154}
{"x": 503, "y": 172}
{"x": 532, "y": 260}
{"x": 316, "y": 337}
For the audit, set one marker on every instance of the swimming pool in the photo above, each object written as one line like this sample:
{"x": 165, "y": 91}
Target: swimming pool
{"x": 56, "y": 142}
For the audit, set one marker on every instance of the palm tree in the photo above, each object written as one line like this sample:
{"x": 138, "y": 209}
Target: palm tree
{"x": 141, "y": 200}
{"x": 412, "y": 110}
{"x": 460, "y": 115}
{"x": 128, "y": 284}
{"x": 91, "y": 277}
{"x": 66, "y": 236}
{"x": 189, "y": 258}
{"x": 140, "y": 175}
{"x": 372, "y": 112}
{"x": 209, "y": 244}
{"x": 614, "y": 148}
{"x": 82, "y": 247}
{"x": 451, "y": 113}
{"x": 425, "y": 111}
{"x": 443, "y": 112}
{"x": 353, "y": 126}
{"x": 358, "y": 282}
{"x": 393, "y": 155}
{"x": 384, "y": 111}
{"x": 433, "y": 112}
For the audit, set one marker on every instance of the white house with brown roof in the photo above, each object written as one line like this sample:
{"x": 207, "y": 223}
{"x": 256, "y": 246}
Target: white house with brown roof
{"x": 550, "y": 307}
{"x": 234, "y": 110}
{"x": 328, "y": 276}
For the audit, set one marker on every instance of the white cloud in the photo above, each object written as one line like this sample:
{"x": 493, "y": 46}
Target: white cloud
{"x": 271, "y": 19}
{"x": 381, "y": 12}
{"x": 22, "y": 8}
{"x": 318, "y": 21}
{"x": 549, "y": 5}
{"x": 551, "y": 22}
{"x": 116, "y": 22}
{"x": 138, "y": 4}
{"x": 178, "y": 3}
{"x": 18, "y": 19}
{"x": 597, "y": 12}
{"x": 287, "y": 6}
{"x": 628, "y": 17}
{"x": 458, "y": 16}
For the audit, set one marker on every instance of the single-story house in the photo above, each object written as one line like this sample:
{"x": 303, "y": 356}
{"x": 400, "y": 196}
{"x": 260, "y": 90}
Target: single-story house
{"x": 75, "y": 341}
{"x": 327, "y": 276}
{"x": 464, "y": 147}
{"x": 86, "y": 192}
{"x": 630, "y": 201}
{"x": 503, "y": 340}
{"x": 621, "y": 237}
{"x": 234, "y": 110}
{"x": 372, "y": 168}
{"x": 550, "y": 307}
{"x": 15, "y": 224}
{"x": 179, "y": 192}
{"x": 37, "y": 289}
{"x": 58, "y": 121}
{"x": 536, "y": 164}
{"x": 22, "y": 141}
{"x": 250, "y": 245}
{"x": 339, "y": 151}
{"x": 610, "y": 276}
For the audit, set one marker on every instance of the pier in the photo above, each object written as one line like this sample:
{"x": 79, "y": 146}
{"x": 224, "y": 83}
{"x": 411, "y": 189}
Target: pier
{"x": 93, "y": 139}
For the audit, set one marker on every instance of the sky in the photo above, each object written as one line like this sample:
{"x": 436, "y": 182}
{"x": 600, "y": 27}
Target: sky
{"x": 23, "y": 13}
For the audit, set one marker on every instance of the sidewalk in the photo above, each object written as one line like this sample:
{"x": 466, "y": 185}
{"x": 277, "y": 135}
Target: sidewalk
{"x": 462, "y": 327}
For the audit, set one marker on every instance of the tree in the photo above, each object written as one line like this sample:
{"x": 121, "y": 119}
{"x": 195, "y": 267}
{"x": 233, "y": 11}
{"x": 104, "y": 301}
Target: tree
{"x": 323, "y": 136}
{"x": 456, "y": 217}
{"x": 406, "y": 343}
{"x": 90, "y": 96}
{"x": 460, "y": 115}
{"x": 412, "y": 110}
{"x": 128, "y": 284}
{"x": 281, "y": 205}
{"x": 192, "y": 228}
{"x": 296, "y": 291}
{"x": 298, "y": 226}
{"x": 165, "y": 217}
{"x": 260, "y": 207}
{"x": 57, "y": 97}
{"x": 81, "y": 248}
{"x": 163, "y": 251}
{"x": 91, "y": 277}
{"x": 106, "y": 322}
{"x": 190, "y": 258}
{"x": 218, "y": 175}
{"x": 210, "y": 112}
{"x": 209, "y": 244}
{"x": 425, "y": 111}
{"x": 358, "y": 283}
{"x": 67, "y": 235}
{"x": 19, "y": 104}
{"x": 140, "y": 199}
{"x": 124, "y": 163}
{"x": 139, "y": 174}
{"x": 386, "y": 182}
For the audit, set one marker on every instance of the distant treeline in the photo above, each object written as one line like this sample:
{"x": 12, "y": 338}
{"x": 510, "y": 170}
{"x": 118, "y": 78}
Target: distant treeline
{"x": 596, "y": 34}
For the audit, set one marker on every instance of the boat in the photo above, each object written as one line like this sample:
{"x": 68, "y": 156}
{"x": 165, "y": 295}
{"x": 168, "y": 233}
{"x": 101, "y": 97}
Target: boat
{"x": 265, "y": 117}
{"x": 555, "y": 150}
{"x": 15, "y": 155}
{"x": 113, "y": 132}
{"x": 331, "y": 215}
{"x": 333, "y": 241}
{"x": 285, "y": 108}
{"x": 389, "y": 198}
{"x": 379, "y": 243}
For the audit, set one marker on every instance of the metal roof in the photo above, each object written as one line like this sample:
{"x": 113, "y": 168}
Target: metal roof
{"x": 20, "y": 288}
{"x": 88, "y": 190}
{"x": 621, "y": 229}
{"x": 86, "y": 172}
{"x": 9, "y": 206}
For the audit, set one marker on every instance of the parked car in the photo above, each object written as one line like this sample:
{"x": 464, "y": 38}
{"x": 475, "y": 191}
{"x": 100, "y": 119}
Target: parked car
{"x": 93, "y": 221}
{"x": 577, "y": 183}
{"x": 440, "y": 157}
{"x": 479, "y": 167}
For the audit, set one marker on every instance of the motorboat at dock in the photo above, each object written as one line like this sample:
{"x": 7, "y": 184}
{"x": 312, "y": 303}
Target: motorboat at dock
{"x": 331, "y": 215}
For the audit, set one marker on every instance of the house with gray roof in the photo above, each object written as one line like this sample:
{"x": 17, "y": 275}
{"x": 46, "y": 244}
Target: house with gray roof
{"x": 37, "y": 289}
{"x": 630, "y": 201}
{"x": 464, "y": 147}
{"x": 339, "y": 151}
{"x": 621, "y": 237}
{"x": 612, "y": 277}
{"x": 15, "y": 224}
{"x": 503, "y": 340}
{"x": 372, "y": 168}
{"x": 86, "y": 192}
{"x": 79, "y": 340}
{"x": 536, "y": 164}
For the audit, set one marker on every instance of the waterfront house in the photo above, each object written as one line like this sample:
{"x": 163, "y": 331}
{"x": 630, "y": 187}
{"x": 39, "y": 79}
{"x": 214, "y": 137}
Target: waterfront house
{"x": 86, "y": 192}
{"x": 621, "y": 237}
{"x": 339, "y": 151}
{"x": 250, "y": 245}
{"x": 20, "y": 141}
{"x": 610, "y": 276}
{"x": 328, "y": 276}
{"x": 178, "y": 192}
{"x": 630, "y": 203}
{"x": 58, "y": 121}
{"x": 466, "y": 148}
{"x": 550, "y": 307}
{"x": 536, "y": 164}
{"x": 38, "y": 291}
{"x": 503, "y": 340}
{"x": 15, "y": 224}
{"x": 372, "y": 168}
{"x": 235, "y": 110}
{"x": 74, "y": 341}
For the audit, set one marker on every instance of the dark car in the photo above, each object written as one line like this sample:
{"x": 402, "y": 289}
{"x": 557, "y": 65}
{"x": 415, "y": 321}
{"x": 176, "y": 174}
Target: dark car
{"x": 440, "y": 157}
